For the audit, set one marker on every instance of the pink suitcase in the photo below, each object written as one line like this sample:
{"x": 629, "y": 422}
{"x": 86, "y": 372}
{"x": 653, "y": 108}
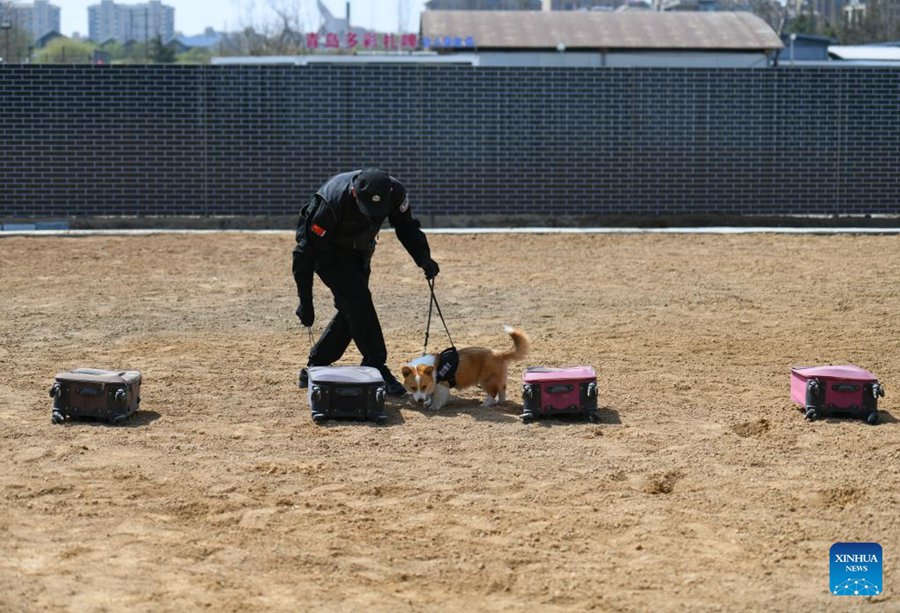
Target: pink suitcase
{"x": 559, "y": 391}
{"x": 845, "y": 390}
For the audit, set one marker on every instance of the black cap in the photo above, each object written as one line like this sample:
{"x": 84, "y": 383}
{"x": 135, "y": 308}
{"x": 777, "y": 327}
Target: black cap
{"x": 373, "y": 192}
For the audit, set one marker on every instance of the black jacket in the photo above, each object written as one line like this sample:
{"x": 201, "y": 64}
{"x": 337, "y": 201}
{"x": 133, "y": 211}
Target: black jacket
{"x": 331, "y": 220}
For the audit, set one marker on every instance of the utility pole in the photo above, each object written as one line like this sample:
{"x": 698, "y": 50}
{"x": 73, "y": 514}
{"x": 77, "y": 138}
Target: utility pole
{"x": 6, "y": 26}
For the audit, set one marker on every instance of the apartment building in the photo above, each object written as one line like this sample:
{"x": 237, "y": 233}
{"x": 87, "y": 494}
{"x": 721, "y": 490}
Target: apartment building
{"x": 38, "y": 18}
{"x": 125, "y": 23}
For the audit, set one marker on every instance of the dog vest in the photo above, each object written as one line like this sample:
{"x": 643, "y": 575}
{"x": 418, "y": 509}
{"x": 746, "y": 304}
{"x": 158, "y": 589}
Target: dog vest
{"x": 449, "y": 364}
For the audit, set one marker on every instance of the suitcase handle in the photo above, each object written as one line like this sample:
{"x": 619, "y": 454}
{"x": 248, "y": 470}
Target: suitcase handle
{"x": 559, "y": 389}
{"x": 88, "y": 391}
{"x": 550, "y": 408}
{"x": 845, "y": 387}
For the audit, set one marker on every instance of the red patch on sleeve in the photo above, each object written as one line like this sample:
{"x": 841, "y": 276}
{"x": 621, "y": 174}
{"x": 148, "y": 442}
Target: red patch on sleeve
{"x": 318, "y": 230}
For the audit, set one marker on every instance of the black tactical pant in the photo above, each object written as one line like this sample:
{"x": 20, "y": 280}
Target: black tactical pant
{"x": 346, "y": 274}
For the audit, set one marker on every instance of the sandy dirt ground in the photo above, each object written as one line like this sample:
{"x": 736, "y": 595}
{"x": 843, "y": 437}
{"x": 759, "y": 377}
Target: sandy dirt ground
{"x": 702, "y": 489}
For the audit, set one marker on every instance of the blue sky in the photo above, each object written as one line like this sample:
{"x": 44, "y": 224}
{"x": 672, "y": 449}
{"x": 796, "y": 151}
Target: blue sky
{"x": 191, "y": 16}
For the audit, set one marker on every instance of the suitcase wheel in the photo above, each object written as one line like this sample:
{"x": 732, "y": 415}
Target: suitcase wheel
{"x": 54, "y": 391}
{"x": 379, "y": 395}
{"x": 812, "y": 415}
{"x": 527, "y": 417}
{"x": 592, "y": 390}
{"x": 120, "y": 395}
{"x": 57, "y": 418}
{"x": 877, "y": 391}
{"x": 319, "y": 418}
{"x": 316, "y": 393}
{"x": 526, "y": 392}
{"x": 594, "y": 417}
{"x": 872, "y": 418}
{"x": 380, "y": 419}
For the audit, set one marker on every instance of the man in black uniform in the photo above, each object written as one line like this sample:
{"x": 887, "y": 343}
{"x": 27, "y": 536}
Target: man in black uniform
{"x": 336, "y": 235}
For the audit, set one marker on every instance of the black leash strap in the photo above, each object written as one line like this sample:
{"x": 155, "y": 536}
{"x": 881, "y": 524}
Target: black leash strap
{"x": 434, "y": 303}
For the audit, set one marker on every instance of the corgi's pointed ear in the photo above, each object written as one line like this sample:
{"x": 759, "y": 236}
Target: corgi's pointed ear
{"x": 428, "y": 370}
{"x": 406, "y": 370}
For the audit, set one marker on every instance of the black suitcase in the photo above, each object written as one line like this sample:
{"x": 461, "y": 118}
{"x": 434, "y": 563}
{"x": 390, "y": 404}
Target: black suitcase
{"x": 346, "y": 392}
{"x": 110, "y": 395}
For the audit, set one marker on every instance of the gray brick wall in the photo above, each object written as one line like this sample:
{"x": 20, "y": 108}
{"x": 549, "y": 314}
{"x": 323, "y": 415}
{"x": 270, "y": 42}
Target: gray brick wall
{"x": 256, "y": 140}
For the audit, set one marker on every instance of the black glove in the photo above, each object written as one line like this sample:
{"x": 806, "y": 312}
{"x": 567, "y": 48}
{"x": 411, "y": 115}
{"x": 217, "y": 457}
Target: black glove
{"x": 303, "y": 267}
{"x": 307, "y": 314}
{"x": 431, "y": 268}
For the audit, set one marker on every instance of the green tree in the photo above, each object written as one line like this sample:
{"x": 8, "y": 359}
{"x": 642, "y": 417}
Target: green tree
{"x": 116, "y": 50}
{"x": 158, "y": 53}
{"x": 66, "y": 51}
{"x": 802, "y": 24}
{"x": 195, "y": 56}
{"x": 135, "y": 53}
{"x": 16, "y": 44}
{"x": 879, "y": 24}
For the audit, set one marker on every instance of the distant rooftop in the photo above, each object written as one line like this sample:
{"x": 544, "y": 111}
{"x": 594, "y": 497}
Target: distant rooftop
{"x": 875, "y": 53}
{"x": 604, "y": 30}
{"x": 209, "y": 38}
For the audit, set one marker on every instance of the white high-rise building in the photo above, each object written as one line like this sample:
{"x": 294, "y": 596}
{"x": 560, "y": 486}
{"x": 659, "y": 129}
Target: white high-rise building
{"x": 130, "y": 22}
{"x": 38, "y": 18}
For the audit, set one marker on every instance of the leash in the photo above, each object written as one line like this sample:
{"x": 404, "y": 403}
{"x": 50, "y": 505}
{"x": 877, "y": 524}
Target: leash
{"x": 434, "y": 303}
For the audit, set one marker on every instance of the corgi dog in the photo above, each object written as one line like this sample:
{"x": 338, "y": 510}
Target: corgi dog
{"x": 477, "y": 366}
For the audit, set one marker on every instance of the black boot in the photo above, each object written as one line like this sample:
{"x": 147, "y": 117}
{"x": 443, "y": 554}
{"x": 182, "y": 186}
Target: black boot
{"x": 395, "y": 388}
{"x": 391, "y": 386}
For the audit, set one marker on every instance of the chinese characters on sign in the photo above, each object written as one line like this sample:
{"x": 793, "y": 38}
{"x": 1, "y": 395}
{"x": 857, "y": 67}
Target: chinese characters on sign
{"x": 373, "y": 41}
